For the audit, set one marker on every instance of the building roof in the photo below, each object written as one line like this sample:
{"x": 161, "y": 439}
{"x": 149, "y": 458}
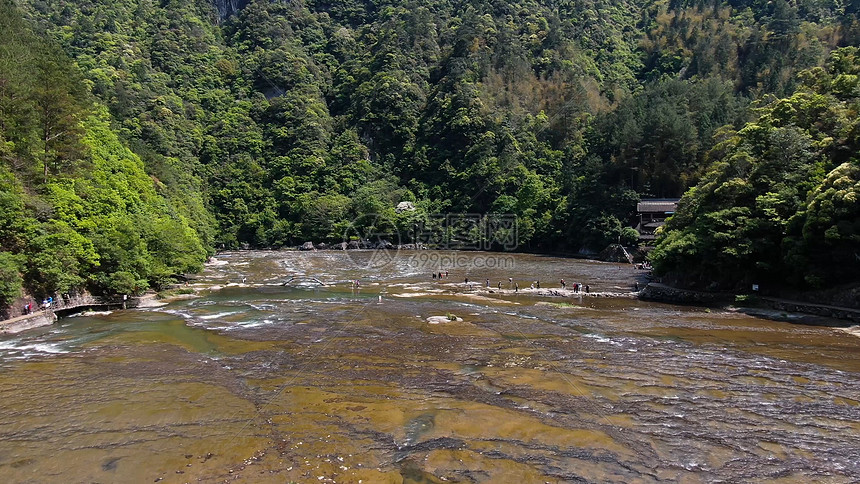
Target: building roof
{"x": 659, "y": 205}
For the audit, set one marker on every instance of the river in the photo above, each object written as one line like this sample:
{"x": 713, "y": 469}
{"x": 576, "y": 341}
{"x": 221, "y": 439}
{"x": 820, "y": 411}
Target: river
{"x": 255, "y": 381}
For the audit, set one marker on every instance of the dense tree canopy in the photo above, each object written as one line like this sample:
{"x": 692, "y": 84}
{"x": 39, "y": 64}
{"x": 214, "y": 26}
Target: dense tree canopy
{"x": 780, "y": 201}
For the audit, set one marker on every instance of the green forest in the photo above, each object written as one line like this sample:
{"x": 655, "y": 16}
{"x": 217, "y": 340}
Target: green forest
{"x": 139, "y": 137}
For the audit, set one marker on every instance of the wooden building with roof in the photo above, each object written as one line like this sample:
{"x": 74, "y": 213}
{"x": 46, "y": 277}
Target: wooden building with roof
{"x": 652, "y": 213}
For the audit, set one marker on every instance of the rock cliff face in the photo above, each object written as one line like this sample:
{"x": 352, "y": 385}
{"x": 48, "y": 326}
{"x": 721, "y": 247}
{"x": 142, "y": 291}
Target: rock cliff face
{"x": 227, "y": 8}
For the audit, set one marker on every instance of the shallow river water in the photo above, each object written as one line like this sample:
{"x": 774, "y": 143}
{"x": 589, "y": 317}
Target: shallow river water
{"x": 255, "y": 381}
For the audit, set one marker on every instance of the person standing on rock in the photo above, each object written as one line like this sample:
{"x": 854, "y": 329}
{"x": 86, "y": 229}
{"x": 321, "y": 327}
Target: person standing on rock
{"x": 517, "y": 287}
{"x": 587, "y": 289}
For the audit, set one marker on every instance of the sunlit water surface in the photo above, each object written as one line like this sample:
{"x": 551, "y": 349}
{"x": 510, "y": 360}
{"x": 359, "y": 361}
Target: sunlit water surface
{"x": 259, "y": 382}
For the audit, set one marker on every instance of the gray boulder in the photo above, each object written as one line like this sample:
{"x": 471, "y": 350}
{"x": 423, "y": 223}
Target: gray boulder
{"x": 384, "y": 244}
{"x": 404, "y": 207}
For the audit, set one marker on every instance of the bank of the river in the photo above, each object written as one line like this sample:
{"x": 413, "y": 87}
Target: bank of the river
{"x": 768, "y": 307}
{"x": 28, "y": 321}
{"x": 46, "y": 317}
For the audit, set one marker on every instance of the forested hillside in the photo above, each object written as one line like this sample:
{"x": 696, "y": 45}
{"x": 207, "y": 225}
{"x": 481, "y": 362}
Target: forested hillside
{"x": 274, "y": 122}
{"x": 77, "y": 209}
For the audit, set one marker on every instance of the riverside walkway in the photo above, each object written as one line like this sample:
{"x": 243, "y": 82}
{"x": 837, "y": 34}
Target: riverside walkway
{"x": 47, "y": 316}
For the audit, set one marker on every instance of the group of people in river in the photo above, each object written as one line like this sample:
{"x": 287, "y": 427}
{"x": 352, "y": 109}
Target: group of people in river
{"x": 577, "y": 287}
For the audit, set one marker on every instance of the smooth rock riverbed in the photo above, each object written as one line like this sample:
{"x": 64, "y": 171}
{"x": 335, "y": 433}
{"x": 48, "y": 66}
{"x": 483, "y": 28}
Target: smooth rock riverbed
{"x": 256, "y": 381}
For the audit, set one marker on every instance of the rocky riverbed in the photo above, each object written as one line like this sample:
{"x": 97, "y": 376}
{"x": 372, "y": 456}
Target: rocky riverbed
{"x": 347, "y": 380}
